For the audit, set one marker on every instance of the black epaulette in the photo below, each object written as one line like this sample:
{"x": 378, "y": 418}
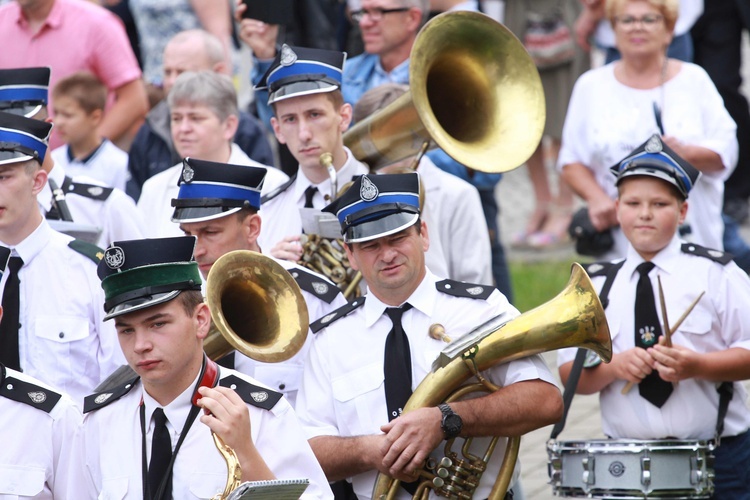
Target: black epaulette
{"x": 598, "y": 268}
{"x": 273, "y": 194}
{"x": 90, "y": 250}
{"x": 102, "y": 399}
{"x": 100, "y": 193}
{"x": 339, "y": 313}
{"x": 467, "y": 290}
{"x": 251, "y": 394}
{"x": 722, "y": 258}
{"x": 31, "y": 394}
{"x": 315, "y": 284}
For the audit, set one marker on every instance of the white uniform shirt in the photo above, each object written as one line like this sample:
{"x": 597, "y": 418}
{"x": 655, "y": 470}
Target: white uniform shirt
{"x": 116, "y": 217}
{"x": 456, "y": 225}
{"x": 108, "y": 164}
{"x": 35, "y": 458}
{"x": 342, "y": 390}
{"x": 155, "y": 203}
{"x": 607, "y": 120}
{"x": 281, "y": 217}
{"x": 111, "y": 447}
{"x": 63, "y": 340}
{"x": 286, "y": 376}
{"x": 721, "y": 320}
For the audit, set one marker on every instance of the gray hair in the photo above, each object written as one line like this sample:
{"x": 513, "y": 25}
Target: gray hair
{"x": 205, "y": 88}
{"x": 212, "y": 46}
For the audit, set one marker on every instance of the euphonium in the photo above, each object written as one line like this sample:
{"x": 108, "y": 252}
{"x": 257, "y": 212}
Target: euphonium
{"x": 257, "y": 308}
{"x": 575, "y": 318}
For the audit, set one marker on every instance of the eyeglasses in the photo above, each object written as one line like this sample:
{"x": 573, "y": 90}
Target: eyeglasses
{"x": 647, "y": 22}
{"x": 376, "y": 13}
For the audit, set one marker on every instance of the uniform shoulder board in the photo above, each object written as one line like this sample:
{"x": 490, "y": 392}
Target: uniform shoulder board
{"x": 92, "y": 191}
{"x": 30, "y": 394}
{"x": 467, "y": 290}
{"x": 251, "y": 394}
{"x": 315, "y": 284}
{"x": 722, "y": 258}
{"x": 598, "y": 268}
{"x": 273, "y": 194}
{"x": 102, "y": 399}
{"x": 90, "y": 250}
{"x": 339, "y": 313}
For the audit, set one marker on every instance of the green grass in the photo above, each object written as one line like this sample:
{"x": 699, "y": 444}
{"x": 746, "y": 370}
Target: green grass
{"x": 535, "y": 283}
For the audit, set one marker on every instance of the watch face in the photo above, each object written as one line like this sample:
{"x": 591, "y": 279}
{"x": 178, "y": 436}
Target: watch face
{"x": 452, "y": 425}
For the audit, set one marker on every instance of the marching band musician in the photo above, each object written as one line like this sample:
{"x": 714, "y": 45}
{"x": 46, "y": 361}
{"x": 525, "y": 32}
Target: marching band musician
{"x": 359, "y": 375}
{"x": 218, "y": 204}
{"x": 684, "y": 390}
{"x": 310, "y": 117}
{"x": 151, "y": 438}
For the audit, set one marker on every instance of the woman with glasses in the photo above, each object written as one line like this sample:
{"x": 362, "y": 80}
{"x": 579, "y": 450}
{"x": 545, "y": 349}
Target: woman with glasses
{"x": 616, "y": 107}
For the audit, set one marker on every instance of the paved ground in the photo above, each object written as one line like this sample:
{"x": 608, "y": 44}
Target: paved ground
{"x": 516, "y": 201}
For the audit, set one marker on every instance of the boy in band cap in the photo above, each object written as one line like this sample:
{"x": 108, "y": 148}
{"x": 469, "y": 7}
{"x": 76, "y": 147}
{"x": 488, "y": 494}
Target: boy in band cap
{"x": 310, "y": 117}
{"x": 152, "y": 437}
{"x": 23, "y": 91}
{"x": 218, "y": 204}
{"x": 359, "y": 375}
{"x": 708, "y": 352}
{"x": 52, "y": 328}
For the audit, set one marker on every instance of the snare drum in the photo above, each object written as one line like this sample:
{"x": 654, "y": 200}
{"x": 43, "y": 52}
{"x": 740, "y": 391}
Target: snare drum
{"x": 620, "y": 469}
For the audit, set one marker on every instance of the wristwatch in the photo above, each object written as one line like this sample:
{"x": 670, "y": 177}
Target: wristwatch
{"x": 451, "y": 423}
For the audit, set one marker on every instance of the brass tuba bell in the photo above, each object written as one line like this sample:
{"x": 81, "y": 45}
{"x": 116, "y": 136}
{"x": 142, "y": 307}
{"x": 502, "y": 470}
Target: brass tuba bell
{"x": 474, "y": 92}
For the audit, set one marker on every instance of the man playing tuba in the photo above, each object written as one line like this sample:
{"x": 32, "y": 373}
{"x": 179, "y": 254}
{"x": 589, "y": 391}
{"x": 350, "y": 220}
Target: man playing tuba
{"x": 368, "y": 357}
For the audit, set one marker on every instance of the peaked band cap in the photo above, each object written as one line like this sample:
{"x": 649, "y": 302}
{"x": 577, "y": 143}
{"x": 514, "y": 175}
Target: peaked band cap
{"x": 137, "y": 274}
{"x": 209, "y": 190}
{"x": 653, "y": 158}
{"x": 299, "y": 71}
{"x": 22, "y": 138}
{"x": 23, "y": 91}
{"x": 376, "y": 206}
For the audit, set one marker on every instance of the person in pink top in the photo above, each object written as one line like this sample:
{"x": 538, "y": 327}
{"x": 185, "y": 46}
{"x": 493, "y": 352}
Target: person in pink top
{"x": 75, "y": 35}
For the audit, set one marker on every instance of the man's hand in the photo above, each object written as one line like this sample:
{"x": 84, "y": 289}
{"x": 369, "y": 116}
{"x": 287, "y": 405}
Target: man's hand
{"x": 289, "y": 248}
{"x": 409, "y": 439}
{"x": 675, "y": 363}
{"x": 632, "y": 365}
{"x": 586, "y": 23}
{"x": 259, "y": 36}
{"x": 602, "y": 212}
{"x": 226, "y": 414}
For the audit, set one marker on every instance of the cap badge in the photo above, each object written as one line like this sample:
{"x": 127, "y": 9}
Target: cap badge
{"x": 320, "y": 288}
{"x": 188, "y": 173}
{"x": 368, "y": 191}
{"x": 475, "y": 290}
{"x": 101, "y": 398}
{"x": 259, "y": 397}
{"x": 654, "y": 145}
{"x": 38, "y": 397}
{"x": 114, "y": 257}
{"x": 288, "y": 57}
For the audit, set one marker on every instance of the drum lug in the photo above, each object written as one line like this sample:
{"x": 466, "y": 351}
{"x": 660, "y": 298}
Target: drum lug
{"x": 588, "y": 470}
{"x": 646, "y": 471}
{"x": 696, "y": 466}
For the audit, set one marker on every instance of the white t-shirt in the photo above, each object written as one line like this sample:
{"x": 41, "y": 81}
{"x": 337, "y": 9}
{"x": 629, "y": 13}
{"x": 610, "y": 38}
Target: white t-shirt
{"x": 107, "y": 164}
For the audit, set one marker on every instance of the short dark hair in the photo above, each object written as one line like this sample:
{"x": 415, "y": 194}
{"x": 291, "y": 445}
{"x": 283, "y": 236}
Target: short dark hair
{"x": 189, "y": 300}
{"x": 85, "y": 89}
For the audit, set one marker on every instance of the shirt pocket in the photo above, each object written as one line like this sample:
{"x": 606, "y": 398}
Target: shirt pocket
{"x": 207, "y": 484}
{"x": 20, "y": 482}
{"x": 114, "y": 489}
{"x": 281, "y": 377}
{"x": 697, "y": 322}
{"x": 62, "y": 331}
{"x": 359, "y": 399}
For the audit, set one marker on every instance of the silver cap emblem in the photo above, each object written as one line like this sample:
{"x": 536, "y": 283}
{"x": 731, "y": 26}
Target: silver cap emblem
{"x": 114, "y": 257}
{"x": 187, "y": 173}
{"x": 101, "y": 398}
{"x": 288, "y": 57}
{"x": 368, "y": 191}
{"x": 654, "y": 145}
{"x": 38, "y": 397}
{"x": 259, "y": 397}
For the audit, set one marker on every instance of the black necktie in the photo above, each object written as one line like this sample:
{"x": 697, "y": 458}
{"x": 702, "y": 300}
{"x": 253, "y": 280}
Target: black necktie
{"x": 397, "y": 364}
{"x": 647, "y": 333}
{"x": 309, "y": 193}
{"x": 161, "y": 455}
{"x": 10, "y": 323}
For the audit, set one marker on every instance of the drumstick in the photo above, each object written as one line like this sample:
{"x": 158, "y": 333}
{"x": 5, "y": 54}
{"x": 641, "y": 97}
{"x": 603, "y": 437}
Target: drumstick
{"x": 677, "y": 325}
{"x": 667, "y": 331}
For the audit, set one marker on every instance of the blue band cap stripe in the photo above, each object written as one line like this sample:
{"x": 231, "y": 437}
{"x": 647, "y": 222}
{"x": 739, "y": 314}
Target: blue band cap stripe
{"x": 202, "y": 190}
{"x": 661, "y": 159}
{"x": 302, "y": 68}
{"x": 26, "y": 140}
{"x": 406, "y": 198}
{"x": 11, "y": 94}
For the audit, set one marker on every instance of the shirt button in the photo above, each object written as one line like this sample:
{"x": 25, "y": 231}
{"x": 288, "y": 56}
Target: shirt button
{"x": 61, "y": 335}
{"x": 282, "y": 387}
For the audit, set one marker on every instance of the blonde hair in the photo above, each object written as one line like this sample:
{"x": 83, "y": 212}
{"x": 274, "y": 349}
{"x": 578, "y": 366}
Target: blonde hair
{"x": 670, "y": 9}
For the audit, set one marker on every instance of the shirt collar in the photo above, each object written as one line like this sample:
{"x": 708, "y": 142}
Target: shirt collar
{"x": 664, "y": 260}
{"x": 54, "y": 19}
{"x": 177, "y": 411}
{"x": 399, "y": 74}
{"x": 423, "y": 299}
{"x": 33, "y": 243}
{"x": 86, "y": 158}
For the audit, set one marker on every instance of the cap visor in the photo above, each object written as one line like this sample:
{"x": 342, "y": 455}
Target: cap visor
{"x": 140, "y": 303}
{"x": 299, "y": 89}
{"x": 201, "y": 214}
{"x": 378, "y": 228}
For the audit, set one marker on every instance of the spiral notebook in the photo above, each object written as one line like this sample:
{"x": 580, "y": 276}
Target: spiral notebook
{"x": 275, "y": 489}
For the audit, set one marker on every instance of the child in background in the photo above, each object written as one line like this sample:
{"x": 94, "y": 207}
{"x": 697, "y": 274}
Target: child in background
{"x": 79, "y": 102}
